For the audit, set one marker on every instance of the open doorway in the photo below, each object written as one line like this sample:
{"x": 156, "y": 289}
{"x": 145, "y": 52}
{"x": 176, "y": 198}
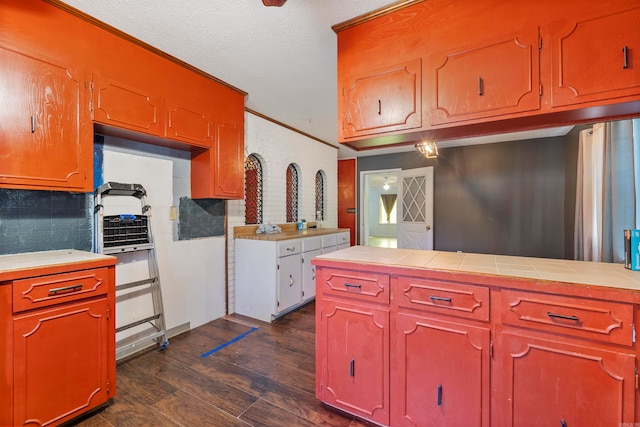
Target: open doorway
{"x": 378, "y": 206}
{"x": 397, "y": 208}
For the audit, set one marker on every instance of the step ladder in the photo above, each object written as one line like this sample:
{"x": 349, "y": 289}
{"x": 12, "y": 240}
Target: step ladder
{"x": 128, "y": 236}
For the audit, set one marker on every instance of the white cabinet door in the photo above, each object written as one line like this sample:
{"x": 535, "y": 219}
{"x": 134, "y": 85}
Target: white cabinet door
{"x": 289, "y": 281}
{"x": 309, "y": 274}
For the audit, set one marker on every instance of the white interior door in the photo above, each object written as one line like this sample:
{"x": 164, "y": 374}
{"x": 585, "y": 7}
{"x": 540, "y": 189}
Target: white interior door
{"x": 415, "y": 208}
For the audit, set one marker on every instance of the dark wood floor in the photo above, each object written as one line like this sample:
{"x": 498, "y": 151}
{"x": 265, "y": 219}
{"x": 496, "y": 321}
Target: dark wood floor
{"x": 266, "y": 378}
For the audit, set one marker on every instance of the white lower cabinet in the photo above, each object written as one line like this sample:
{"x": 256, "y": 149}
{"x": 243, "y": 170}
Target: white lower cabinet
{"x": 289, "y": 275}
{"x": 275, "y": 277}
{"x": 311, "y": 247}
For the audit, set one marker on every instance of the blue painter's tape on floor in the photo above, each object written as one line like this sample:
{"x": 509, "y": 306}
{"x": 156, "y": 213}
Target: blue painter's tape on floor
{"x": 221, "y": 346}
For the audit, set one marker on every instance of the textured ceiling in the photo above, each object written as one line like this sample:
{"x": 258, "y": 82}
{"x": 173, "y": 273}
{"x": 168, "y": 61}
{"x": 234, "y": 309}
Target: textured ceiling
{"x": 284, "y": 57}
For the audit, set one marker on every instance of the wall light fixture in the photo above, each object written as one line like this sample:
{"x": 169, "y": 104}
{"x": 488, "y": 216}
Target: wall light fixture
{"x": 428, "y": 148}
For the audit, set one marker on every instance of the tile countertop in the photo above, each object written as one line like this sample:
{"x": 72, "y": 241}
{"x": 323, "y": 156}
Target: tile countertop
{"x": 539, "y": 269}
{"x": 17, "y": 266}
{"x": 293, "y": 234}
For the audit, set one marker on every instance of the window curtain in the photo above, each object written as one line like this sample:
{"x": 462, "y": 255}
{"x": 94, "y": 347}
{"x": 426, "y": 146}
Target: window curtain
{"x": 388, "y": 201}
{"x": 607, "y": 189}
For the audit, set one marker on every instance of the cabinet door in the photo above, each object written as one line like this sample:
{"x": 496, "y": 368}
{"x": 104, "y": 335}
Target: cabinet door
{"x": 228, "y": 171}
{"x": 441, "y": 373}
{"x": 309, "y": 274}
{"x": 289, "y": 281}
{"x": 188, "y": 123}
{"x": 60, "y": 362}
{"x": 470, "y": 85}
{"x": 189, "y": 107}
{"x": 551, "y": 383}
{"x": 355, "y": 367}
{"x": 122, "y": 104}
{"x": 596, "y": 59}
{"x": 383, "y": 101}
{"x": 45, "y": 133}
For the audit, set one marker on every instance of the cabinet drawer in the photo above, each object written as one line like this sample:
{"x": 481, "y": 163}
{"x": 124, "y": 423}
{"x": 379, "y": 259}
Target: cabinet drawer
{"x": 450, "y": 298}
{"x": 365, "y": 286}
{"x": 585, "y": 318}
{"x": 329, "y": 240}
{"x": 289, "y": 247}
{"x": 44, "y": 291}
{"x": 311, "y": 244}
{"x": 344, "y": 238}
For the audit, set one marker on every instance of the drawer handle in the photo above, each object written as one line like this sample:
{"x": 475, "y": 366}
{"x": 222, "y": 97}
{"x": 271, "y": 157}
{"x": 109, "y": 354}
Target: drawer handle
{"x": 352, "y": 368}
{"x": 625, "y": 53}
{"x": 351, "y": 285}
{"x": 291, "y": 248}
{"x": 439, "y": 394}
{"x": 563, "y": 423}
{"x": 480, "y": 86}
{"x": 290, "y": 280}
{"x": 562, "y": 316}
{"x": 71, "y": 288}
{"x": 435, "y": 298}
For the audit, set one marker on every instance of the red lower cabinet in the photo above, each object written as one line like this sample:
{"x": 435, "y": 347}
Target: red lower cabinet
{"x": 355, "y": 362}
{"x": 48, "y": 389}
{"x": 441, "y": 373}
{"x": 57, "y": 329}
{"x": 552, "y": 383}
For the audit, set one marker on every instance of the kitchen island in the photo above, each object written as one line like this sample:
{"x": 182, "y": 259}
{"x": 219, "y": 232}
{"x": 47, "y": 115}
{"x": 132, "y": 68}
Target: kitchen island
{"x": 426, "y": 338}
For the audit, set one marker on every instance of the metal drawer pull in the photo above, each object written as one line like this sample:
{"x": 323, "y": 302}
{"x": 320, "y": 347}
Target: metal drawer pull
{"x": 292, "y": 248}
{"x": 379, "y": 107}
{"x": 290, "y": 280}
{"x": 434, "y": 298}
{"x": 625, "y": 53}
{"x": 439, "y": 394}
{"x": 480, "y": 86}
{"x": 71, "y": 288}
{"x": 352, "y": 368}
{"x": 351, "y": 285}
{"x": 561, "y": 316}
{"x": 563, "y": 423}
{"x": 33, "y": 123}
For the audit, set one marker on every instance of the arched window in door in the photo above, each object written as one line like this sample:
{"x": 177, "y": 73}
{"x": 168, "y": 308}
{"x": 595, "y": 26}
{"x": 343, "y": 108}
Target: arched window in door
{"x": 320, "y": 195}
{"x": 252, "y": 190}
{"x": 292, "y": 193}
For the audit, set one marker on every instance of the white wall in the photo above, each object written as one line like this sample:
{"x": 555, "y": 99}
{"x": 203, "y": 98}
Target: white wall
{"x": 191, "y": 271}
{"x": 278, "y": 146}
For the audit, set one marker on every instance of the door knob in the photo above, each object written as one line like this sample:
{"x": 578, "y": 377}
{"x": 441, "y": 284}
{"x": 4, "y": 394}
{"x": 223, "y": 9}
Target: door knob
{"x": 428, "y": 227}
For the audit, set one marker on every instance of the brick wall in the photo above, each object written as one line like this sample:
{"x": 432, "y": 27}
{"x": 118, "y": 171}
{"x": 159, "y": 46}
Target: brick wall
{"x": 277, "y": 147}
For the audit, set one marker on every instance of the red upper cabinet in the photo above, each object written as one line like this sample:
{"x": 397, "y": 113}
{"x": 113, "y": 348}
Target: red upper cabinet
{"x": 385, "y": 100}
{"x": 189, "y": 110}
{"x": 127, "y": 97}
{"x": 229, "y": 159}
{"x": 596, "y": 59}
{"x": 491, "y": 78}
{"x": 218, "y": 172}
{"x": 45, "y": 129}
